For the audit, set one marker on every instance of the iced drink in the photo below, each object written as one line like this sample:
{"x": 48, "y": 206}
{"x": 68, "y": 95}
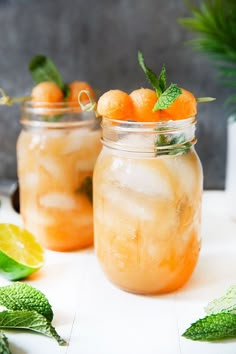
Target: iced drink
{"x": 55, "y": 169}
{"x": 147, "y": 205}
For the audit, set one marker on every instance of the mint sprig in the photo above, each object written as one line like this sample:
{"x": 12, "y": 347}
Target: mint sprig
{"x": 22, "y": 296}
{"x": 166, "y": 96}
{"x": 30, "y": 320}
{"x": 162, "y": 79}
{"x": 27, "y": 308}
{"x": 213, "y": 327}
{"x": 151, "y": 76}
{"x": 4, "y": 345}
{"x": 220, "y": 322}
{"x": 174, "y": 145}
{"x": 86, "y": 188}
{"x": 43, "y": 69}
{"x": 226, "y": 303}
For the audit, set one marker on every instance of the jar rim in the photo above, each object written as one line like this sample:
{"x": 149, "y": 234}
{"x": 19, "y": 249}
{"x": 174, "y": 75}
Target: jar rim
{"x": 31, "y": 105}
{"x": 43, "y": 114}
{"x": 134, "y": 126}
{"x": 171, "y": 136}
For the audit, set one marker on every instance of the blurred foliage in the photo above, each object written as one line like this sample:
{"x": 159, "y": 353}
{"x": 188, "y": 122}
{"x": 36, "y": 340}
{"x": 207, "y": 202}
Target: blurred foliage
{"x": 214, "y": 23}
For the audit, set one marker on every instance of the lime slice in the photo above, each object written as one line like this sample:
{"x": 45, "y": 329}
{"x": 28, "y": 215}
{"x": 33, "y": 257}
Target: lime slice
{"x": 20, "y": 253}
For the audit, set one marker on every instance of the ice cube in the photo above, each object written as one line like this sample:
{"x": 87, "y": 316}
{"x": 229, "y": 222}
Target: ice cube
{"x": 81, "y": 139}
{"x": 186, "y": 170}
{"x": 30, "y": 179}
{"x": 139, "y": 141}
{"x": 140, "y": 177}
{"x": 126, "y": 201}
{"x": 58, "y": 200}
{"x": 36, "y": 216}
{"x": 51, "y": 166}
{"x": 86, "y": 164}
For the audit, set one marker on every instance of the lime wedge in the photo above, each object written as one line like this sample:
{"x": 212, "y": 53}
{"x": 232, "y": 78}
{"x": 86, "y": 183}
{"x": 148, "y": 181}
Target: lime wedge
{"x": 20, "y": 253}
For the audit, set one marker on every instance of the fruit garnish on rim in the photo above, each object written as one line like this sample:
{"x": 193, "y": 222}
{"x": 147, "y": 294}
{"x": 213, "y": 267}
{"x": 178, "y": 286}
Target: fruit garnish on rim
{"x": 161, "y": 103}
{"x": 50, "y": 88}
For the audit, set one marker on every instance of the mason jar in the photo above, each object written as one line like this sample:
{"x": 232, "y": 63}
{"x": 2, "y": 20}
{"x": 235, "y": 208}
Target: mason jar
{"x": 56, "y": 153}
{"x": 147, "y": 204}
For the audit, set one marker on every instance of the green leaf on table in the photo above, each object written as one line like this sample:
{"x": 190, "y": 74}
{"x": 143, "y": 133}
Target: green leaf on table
{"x": 166, "y": 99}
{"x": 22, "y": 296}
{"x": 213, "y": 327}
{"x": 30, "y": 320}
{"x": 42, "y": 69}
{"x": 226, "y": 303}
{"x": 4, "y": 345}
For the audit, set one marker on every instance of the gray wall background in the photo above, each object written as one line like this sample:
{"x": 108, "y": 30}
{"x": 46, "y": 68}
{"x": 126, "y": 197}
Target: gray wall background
{"x": 97, "y": 41}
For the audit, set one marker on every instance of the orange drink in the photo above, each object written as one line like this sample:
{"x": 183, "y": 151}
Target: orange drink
{"x": 56, "y": 152}
{"x": 147, "y": 204}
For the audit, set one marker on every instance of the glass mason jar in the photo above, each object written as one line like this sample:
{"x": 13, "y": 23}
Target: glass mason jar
{"x": 56, "y": 153}
{"x": 147, "y": 204}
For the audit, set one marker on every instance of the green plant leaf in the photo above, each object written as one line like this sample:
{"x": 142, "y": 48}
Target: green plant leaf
{"x": 151, "y": 76}
{"x": 162, "y": 79}
{"x": 42, "y": 69}
{"x": 30, "y": 320}
{"x": 4, "y": 345}
{"x": 167, "y": 97}
{"x": 22, "y": 296}
{"x": 214, "y": 25}
{"x": 213, "y": 327}
{"x": 173, "y": 146}
{"x": 86, "y": 188}
{"x": 226, "y": 303}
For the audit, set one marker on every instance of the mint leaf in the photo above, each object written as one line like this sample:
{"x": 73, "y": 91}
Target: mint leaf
{"x": 4, "y": 345}
{"x": 151, "y": 76}
{"x": 22, "y": 296}
{"x": 226, "y": 303}
{"x": 30, "y": 320}
{"x": 86, "y": 188}
{"x": 43, "y": 69}
{"x": 174, "y": 146}
{"x": 162, "y": 79}
{"x": 167, "y": 97}
{"x": 213, "y": 327}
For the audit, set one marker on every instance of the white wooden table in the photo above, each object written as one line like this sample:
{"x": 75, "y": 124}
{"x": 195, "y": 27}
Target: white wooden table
{"x": 97, "y": 318}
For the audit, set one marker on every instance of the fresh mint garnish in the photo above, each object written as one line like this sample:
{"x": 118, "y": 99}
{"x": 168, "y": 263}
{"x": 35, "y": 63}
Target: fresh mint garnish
{"x": 166, "y": 96}
{"x": 162, "y": 79}
{"x": 151, "y": 76}
{"x": 226, "y": 303}
{"x": 30, "y": 320}
{"x": 174, "y": 145}
{"x": 213, "y": 327}
{"x": 42, "y": 69}
{"x": 4, "y": 345}
{"x": 86, "y": 188}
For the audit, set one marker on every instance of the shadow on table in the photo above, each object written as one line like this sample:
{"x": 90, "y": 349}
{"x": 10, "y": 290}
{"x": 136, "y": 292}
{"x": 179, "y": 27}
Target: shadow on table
{"x": 15, "y": 349}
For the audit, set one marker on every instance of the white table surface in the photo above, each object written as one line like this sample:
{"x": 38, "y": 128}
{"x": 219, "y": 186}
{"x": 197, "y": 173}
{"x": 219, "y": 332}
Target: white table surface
{"x": 97, "y": 318}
